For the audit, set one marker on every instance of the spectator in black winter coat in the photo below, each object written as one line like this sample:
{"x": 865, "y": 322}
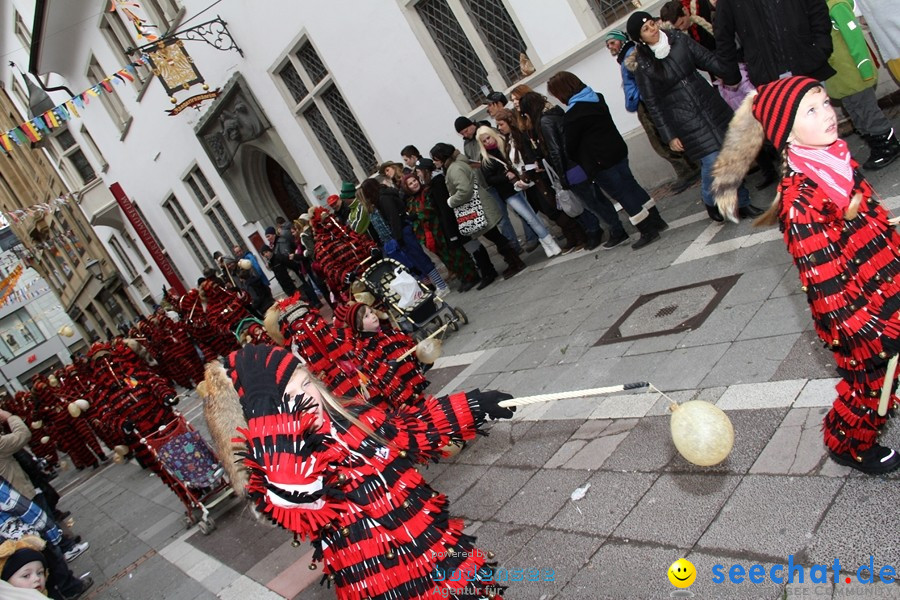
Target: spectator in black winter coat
{"x": 593, "y": 141}
{"x": 688, "y": 112}
{"x": 778, "y": 38}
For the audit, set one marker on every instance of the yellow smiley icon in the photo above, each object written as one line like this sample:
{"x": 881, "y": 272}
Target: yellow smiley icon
{"x": 682, "y": 573}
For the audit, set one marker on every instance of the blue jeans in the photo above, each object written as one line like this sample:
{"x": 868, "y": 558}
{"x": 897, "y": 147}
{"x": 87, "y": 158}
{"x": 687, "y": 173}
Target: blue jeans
{"x": 505, "y": 225}
{"x": 619, "y": 183}
{"x": 596, "y": 202}
{"x": 706, "y": 180}
{"x": 518, "y": 203}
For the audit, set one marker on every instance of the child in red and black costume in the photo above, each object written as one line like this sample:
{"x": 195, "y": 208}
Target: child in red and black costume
{"x": 379, "y": 351}
{"x": 846, "y": 250}
{"x": 52, "y": 410}
{"x": 343, "y": 474}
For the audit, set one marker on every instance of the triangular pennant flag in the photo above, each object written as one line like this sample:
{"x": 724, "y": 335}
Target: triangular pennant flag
{"x": 40, "y": 125}
{"x": 107, "y": 85}
{"x": 18, "y": 136}
{"x": 61, "y": 113}
{"x": 30, "y": 131}
{"x": 76, "y": 101}
{"x": 129, "y": 68}
{"x": 4, "y": 142}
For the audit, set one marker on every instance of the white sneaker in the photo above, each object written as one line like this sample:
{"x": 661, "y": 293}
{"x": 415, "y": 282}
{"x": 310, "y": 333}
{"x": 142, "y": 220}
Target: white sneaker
{"x": 76, "y": 551}
{"x": 442, "y": 292}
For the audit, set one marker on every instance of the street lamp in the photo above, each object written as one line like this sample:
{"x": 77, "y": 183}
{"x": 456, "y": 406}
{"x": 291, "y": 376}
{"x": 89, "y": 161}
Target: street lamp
{"x": 94, "y": 268}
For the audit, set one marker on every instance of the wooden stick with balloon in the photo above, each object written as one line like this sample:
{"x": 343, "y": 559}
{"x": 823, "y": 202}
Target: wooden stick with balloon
{"x": 702, "y": 432}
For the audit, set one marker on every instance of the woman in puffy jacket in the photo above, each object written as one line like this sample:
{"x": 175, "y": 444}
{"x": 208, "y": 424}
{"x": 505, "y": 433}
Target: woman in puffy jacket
{"x": 689, "y": 113}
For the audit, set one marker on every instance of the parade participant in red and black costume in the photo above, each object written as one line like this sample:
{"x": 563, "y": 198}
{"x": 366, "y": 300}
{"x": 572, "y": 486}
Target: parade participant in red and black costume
{"x": 225, "y": 309}
{"x": 343, "y": 475}
{"x": 846, "y": 250}
{"x": 22, "y": 405}
{"x": 137, "y": 402}
{"x": 325, "y": 350}
{"x": 73, "y": 387}
{"x": 339, "y": 250}
{"x": 53, "y": 411}
{"x": 378, "y": 351}
{"x": 176, "y": 349}
{"x": 193, "y": 315}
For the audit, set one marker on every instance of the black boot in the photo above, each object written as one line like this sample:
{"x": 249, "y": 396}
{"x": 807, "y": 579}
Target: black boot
{"x": 485, "y": 268}
{"x": 513, "y": 262}
{"x": 714, "y": 214}
{"x": 649, "y": 234}
{"x": 657, "y": 219}
{"x": 885, "y": 149}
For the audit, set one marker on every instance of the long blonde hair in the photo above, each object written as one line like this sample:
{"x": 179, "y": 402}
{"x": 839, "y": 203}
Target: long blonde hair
{"x": 335, "y": 406}
{"x": 486, "y": 157}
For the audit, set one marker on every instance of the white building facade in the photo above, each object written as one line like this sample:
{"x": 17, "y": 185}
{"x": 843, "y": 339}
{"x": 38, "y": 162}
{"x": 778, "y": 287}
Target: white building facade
{"x": 321, "y": 91}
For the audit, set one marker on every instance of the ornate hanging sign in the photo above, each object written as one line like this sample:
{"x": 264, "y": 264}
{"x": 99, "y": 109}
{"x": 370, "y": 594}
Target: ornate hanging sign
{"x": 174, "y": 67}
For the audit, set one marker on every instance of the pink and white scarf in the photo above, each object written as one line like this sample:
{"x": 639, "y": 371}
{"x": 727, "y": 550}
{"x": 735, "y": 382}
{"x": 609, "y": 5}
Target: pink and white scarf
{"x": 829, "y": 167}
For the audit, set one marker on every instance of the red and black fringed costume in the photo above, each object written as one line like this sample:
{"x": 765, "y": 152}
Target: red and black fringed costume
{"x": 72, "y": 386}
{"x": 171, "y": 346}
{"x": 22, "y": 405}
{"x": 53, "y": 411}
{"x": 326, "y": 353}
{"x": 850, "y": 271}
{"x": 378, "y": 353}
{"x": 193, "y": 315}
{"x": 137, "y": 401}
{"x": 225, "y": 309}
{"x": 339, "y": 250}
{"x": 380, "y": 531}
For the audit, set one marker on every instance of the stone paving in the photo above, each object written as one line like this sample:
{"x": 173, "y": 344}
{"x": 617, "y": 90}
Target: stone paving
{"x": 755, "y": 356}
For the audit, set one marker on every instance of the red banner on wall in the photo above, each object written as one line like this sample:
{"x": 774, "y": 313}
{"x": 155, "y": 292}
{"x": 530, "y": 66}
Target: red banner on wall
{"x": 141, "y": 228}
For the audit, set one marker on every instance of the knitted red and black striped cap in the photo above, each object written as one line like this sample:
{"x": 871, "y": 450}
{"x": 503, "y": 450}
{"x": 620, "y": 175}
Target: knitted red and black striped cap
{"x": 776, "y": 106}
{"x": 260, "y": 375}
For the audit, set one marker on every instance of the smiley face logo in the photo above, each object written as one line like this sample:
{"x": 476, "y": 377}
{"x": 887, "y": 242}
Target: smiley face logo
{"x": 682, "y": 573}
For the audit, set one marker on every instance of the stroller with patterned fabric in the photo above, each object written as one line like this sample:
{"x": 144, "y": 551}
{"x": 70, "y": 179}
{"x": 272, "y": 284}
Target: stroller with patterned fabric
{"x": 186, "y": 456}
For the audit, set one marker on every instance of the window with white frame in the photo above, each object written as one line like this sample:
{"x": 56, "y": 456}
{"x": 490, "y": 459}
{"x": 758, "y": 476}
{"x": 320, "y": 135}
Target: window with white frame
{"x": 212, "y": 208}
{"x": 20, "y": 93}
{"x": 69, "y": 158}
{"x": 188, "y": 232}
{"x": 158, "y": 243}
{"x": 609, "y": 11}
{"x": 22, "y": 31}
{"x": 116, "y": 33}
{"x": 129, "y": 242}
{"x": 89, "y": 140}
{"x": 124, "y": 259}
{"x": 162, "y": 13}
{"x": 114, "y": 105}
{"x": 316, "y": 99}
{"x": 478, "y": 40}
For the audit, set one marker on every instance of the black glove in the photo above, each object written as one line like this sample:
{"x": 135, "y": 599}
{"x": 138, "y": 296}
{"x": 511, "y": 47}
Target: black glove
{"x": 128, "y": 427}
{"x": 171, "y": 400}
{"x": 375, "y": 253}
{"x": 350, "y": 277}
{"x": 489, "y": 401}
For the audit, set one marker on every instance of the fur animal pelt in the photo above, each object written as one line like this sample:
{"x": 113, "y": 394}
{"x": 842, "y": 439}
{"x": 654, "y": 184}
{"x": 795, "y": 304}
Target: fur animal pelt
{"x": 742, "y": 143}
{"x": 222, "y": 409}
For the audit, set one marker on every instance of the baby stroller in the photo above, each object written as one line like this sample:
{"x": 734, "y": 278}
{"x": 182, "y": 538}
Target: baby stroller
{"x": 186, "y": 456}
{"x": 413, "y": 306}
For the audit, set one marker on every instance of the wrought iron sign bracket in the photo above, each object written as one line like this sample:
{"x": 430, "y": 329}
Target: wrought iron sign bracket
{"x": 214, "y": 32}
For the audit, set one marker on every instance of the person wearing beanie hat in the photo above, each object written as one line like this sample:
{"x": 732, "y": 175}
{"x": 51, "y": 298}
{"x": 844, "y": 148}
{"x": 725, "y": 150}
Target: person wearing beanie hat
{"x": 343, "y": 474}
{"x": 844, "y": 246}
{"x": 462, "y": 123}
{"x": 690, "y": 115}
{"x": 25, "y": 568}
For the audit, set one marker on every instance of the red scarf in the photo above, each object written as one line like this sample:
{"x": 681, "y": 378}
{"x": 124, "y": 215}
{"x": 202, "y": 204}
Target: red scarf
{"x": 829, "y": 167}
